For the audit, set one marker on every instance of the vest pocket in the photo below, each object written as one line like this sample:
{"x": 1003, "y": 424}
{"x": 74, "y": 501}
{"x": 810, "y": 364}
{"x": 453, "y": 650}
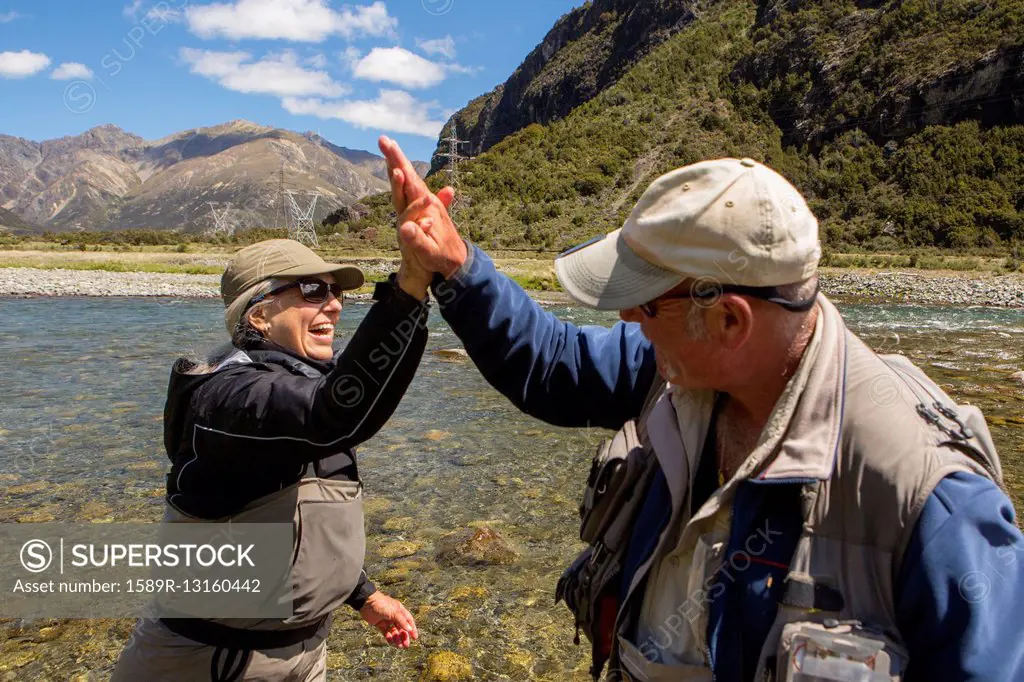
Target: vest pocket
{"x": 330, "y": 547}
{"x": 834, "y": 650}
{"x": 635, "y": 665}
{"x": 611, "y": 483}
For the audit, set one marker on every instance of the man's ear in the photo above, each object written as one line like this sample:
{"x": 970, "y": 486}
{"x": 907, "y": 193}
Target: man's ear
{"x": 730, "y": 322}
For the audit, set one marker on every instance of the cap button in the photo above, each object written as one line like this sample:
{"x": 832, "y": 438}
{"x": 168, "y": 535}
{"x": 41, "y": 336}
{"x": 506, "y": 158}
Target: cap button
{"x": 749, "y": 163}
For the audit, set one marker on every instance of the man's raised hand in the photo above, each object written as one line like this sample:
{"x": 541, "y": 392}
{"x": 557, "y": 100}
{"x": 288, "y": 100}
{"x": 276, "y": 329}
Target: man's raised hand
{"x": 426, "y": 232}
{"x": 406, "y": 184}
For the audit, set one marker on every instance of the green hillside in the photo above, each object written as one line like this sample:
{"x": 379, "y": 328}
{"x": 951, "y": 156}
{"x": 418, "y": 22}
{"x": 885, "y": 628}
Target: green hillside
{"x": 899, "y": 121}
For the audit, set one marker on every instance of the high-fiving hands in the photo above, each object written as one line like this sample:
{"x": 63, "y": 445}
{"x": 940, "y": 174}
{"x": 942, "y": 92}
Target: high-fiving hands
{"x": 427, "y": 237}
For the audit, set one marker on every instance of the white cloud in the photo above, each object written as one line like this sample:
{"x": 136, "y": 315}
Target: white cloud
{"x": 459, "y": 68}
{"x": 8, "y": 17}
{"x": 130, "y": 11}
{"x": 393, "y": 111}
{"x": 298, "y": 20}
{"x": 442, "y": 46}
{"x": 398, "y": 65}
{"x": 402, "y": 67}
{"x": 278, "y": 74}
{"x": 351, "y": 56}
{"x": 163, "y": 12}
{"x": 317, "y": 61}
{"x": 22, "y": 64}
{"x": 160, "y": 11}
{"x": 70, "y": 71}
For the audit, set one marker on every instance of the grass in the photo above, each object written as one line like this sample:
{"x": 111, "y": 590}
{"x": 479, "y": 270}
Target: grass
{"x": 113, "y": 266}
{"x": 915, "y": 261}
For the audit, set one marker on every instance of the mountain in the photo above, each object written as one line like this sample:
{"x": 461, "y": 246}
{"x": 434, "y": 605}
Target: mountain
{"x": 12, "y": 222}
{"x": 589, "y": 49}
{"x": 374, "y": 163}
{"x": 902, "y": 121}
{"x": 107, "y": 178}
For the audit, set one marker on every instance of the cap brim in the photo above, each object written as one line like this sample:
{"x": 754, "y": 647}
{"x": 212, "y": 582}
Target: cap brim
{"x": 348, "y": 276}
{"x": 608, "y": 275}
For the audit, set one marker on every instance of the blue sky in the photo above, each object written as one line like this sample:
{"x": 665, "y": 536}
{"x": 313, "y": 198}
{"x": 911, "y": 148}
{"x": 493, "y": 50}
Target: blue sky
{"x": 350, "y": 70}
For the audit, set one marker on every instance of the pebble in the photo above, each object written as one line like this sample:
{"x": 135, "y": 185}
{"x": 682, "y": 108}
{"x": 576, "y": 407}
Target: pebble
{"x": 1005, "y": 291}
{"x": 99, "y": 283}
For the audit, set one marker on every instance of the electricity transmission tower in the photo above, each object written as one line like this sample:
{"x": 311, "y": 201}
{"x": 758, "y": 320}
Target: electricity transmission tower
{"x": 455, "y": 158}
{"x": 222, "y": 223}
{"x": 301, "y": 227}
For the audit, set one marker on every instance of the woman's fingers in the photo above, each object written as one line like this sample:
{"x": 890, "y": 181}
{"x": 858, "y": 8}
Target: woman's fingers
{"x": 397, "y": 179}
{"x": 404, "y": 620}
{"x": 396, "y": 636}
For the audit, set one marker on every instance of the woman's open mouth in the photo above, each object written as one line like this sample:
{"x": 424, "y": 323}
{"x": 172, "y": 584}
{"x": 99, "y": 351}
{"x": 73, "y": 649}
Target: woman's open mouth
{"x": 324, "y": 330}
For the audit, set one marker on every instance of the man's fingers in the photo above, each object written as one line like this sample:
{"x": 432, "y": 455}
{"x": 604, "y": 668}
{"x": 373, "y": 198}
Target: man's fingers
{"x": 414, "y": 238}
{"x": 447, "y": 196}
{"x": 414, "y": 185}
{"x": 416, "y": 209}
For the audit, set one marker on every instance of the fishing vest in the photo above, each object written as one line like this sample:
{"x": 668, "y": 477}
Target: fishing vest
{"x": 329, "y": 546}
{"x": 868, "y": 438}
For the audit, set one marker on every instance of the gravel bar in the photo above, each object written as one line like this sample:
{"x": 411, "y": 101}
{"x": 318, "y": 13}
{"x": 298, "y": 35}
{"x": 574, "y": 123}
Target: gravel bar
{"x": 881, "y": 287}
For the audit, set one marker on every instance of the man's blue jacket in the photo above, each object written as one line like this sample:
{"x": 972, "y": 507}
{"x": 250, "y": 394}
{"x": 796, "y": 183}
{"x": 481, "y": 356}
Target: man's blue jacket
{"x": 959, "y": 593}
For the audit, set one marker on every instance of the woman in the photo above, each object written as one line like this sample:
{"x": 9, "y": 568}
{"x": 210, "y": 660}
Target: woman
{"x": 264, "y": 431}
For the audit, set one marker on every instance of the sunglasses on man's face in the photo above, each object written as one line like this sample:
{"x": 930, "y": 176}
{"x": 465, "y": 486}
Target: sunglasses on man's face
{"x": 312, "y": 291}
{"x": 770, "y": 294}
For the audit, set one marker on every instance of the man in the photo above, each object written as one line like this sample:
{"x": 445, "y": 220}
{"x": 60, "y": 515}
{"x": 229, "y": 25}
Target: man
{"x": 808, "y": 511}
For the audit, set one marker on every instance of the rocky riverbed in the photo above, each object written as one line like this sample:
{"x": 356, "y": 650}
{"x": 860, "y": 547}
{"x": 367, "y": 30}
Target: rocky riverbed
{"x": 843, "y": 285}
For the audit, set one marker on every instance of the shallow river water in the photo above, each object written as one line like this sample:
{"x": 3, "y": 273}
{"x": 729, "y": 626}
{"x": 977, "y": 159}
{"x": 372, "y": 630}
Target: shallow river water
{"x": 81, "y": 399}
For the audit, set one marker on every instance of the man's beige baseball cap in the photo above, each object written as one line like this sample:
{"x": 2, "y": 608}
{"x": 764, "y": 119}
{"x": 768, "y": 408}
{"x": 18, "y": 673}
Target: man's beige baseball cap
{"x": 725, "y": 222}
{"x": 275, "y": 258}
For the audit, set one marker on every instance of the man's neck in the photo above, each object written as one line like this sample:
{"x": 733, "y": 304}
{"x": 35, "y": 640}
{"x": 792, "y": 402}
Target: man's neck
{"x": 752, "y": 400}
{"x": 746, "y": 410}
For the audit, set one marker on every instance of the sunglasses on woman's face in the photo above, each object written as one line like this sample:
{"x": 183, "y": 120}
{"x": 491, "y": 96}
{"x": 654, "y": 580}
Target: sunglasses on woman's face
{"x": 312, "y": 291}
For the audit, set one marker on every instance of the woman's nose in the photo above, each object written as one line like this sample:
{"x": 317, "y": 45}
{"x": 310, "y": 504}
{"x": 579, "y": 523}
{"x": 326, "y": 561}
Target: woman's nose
{"x": 333, "y": 304}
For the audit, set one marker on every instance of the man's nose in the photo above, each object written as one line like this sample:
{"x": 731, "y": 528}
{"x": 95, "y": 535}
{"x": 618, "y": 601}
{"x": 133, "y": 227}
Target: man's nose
{"x": 631, "y": 315}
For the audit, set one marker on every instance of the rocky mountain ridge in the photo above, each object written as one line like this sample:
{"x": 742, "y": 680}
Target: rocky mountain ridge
{"x": 586, "y": 51}
{"x": 107, "y": 178}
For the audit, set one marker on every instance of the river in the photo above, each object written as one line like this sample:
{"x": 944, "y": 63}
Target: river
{"x": 81, "y": 400}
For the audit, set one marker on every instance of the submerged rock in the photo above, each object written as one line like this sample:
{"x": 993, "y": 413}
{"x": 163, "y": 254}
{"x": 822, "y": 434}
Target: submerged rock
{"x": 399, "y": 549}
{"x": 468, "y": 592}
{"x": 400, "y": 524}
{"x": 446, "y": 666}
{"x": 456, "y": 354}
{"x": 476, "y": 546}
